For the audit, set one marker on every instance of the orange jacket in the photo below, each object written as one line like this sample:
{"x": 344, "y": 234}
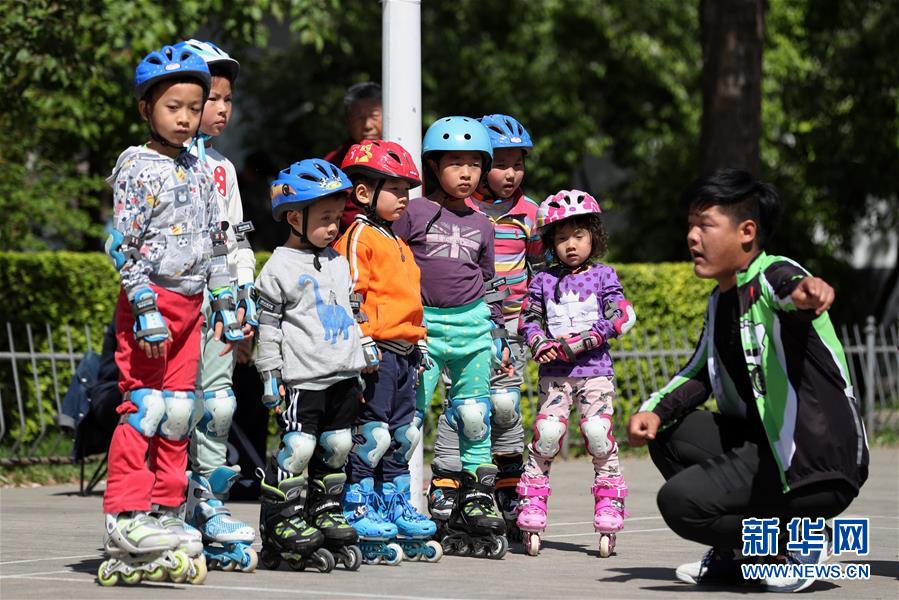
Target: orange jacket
{"x": 385, "y": 274}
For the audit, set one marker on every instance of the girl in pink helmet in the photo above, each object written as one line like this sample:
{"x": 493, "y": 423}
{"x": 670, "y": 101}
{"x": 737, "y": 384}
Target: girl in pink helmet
{"x": 572, "y": 309}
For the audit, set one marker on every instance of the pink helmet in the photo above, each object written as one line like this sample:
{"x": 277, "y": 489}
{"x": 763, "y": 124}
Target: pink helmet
{"x": 566, "y": 204}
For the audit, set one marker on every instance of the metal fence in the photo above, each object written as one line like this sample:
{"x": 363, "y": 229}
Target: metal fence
{"x": 37, "y": 363}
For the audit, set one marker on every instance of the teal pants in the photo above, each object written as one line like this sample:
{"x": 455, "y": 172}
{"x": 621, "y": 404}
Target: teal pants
{"x": 459, "y": 341}
{"x": 209, "y": 439}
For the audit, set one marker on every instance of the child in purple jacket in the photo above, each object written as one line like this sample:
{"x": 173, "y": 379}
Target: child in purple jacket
{"x": 572, "y": 310}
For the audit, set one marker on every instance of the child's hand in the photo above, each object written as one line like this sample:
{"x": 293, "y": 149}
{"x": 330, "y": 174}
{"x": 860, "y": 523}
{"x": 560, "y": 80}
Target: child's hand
{"x": 547, "y": 356}
{"x": 244, "y": 351}
{"x": 281, "y": 390}
{"x": 373, "y": 368}
{"x": 642, "y": 427}
{"x": 813, "y": 293}
{"x": 506, "y": 364}
{"x": 155, "y": 349}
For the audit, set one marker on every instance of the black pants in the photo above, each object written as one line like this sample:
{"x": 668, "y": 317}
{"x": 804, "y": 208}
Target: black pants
{"x": 716, "y": 477}
{"x": 317, "y": 411}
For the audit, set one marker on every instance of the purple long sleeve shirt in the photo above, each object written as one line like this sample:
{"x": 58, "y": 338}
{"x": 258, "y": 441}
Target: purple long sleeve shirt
{"x": 453, "y": 250}
{"x": 561, "y": 303}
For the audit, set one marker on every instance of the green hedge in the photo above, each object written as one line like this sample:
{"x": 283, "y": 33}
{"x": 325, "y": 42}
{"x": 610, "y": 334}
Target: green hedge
{"x": 78, "y": 289}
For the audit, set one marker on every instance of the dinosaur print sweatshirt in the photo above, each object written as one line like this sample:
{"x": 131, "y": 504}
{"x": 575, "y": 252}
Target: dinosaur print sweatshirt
{"x": 306, "y": 327}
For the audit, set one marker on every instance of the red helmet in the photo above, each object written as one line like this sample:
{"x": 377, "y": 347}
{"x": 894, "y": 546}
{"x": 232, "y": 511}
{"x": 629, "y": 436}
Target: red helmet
{"x": 380, "y": 159}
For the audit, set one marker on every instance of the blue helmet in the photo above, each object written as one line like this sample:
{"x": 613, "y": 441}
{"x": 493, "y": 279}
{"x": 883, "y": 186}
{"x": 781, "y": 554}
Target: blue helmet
{"x": 216, "y": 59}
{"x": 506, "y": 132}
{"x": 458, "y": 134}
{"x": 167, "y": 63}
{"x": 302, "y": 183}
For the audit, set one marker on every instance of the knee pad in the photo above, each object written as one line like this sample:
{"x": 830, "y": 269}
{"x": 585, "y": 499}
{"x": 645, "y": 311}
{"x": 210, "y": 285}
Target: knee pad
{"x": 407, "y": 438}
{"x": 334, "y": 446}
{"x": 548, "y": 434}
{"x": 296, "y": 450}
{"x": 506, "y": 407}
{"x": 597, "y": 432}
{"x": 150, "y": 405}
{"x": 179, "y": 409}
{"x": 375, "y": 442}
{"x": 218, "y": 410}
{"x": 471, "y": 418}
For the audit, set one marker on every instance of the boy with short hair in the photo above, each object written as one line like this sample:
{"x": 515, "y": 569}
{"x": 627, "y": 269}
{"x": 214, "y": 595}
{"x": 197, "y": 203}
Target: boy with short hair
{"x": 165, "y": 222}
{"x": 309, "y": 354}
{"x": 386, "y": 284}
{"x": 226, "y": 539}
{"x": 788, "y": 440}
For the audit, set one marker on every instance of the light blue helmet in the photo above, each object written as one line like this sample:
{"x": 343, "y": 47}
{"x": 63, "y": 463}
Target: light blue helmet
{"x": 218, "y": 61}
{"x": 301, "y": 183}
{"x": 458, "y": 134}
{"x": 168, "y": 63}
{"x": 507, "y": 132}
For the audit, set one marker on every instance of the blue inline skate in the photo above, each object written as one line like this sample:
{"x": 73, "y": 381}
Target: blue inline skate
{"x": 364, "y": 510}
{"x": 414, "y": 530}
{"x": 226, "y": 540}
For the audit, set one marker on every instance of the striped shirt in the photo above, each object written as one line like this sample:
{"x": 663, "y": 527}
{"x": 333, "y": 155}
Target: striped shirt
{"x": 517, "y": 246}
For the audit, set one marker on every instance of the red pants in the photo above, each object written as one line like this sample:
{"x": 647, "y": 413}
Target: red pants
{"x": 133, "y": 483}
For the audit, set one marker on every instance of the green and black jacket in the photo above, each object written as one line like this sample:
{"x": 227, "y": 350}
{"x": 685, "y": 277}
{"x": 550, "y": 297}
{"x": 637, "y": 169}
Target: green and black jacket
{"x": 799, "y": 376}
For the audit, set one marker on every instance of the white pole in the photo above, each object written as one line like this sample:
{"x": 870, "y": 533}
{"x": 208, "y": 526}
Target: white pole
{"x": 401, "y": 81}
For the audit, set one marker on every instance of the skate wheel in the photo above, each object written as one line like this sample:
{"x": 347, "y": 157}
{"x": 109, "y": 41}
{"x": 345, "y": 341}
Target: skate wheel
{"x": 606, "y": 546}
{"x": 433, "y": 551}
{"x": 181, "y": 570}
{"x": 352, "y": 558}
{"x": 270, "y": 560}
{"x": 296, "y": 564}
{"x": 499, "y": 547}
{"x": 410, "y": 556}
{"x": 157, "y": 573}
{"x": 106, "y": 579}
{"x": 250, "y": 561}
{"x": 198, "y": 576}
{"x": 393, "y": 554}
{"x": 532, "y": 544}
{"x": 132, "y": 578}
{"x": 228, "y": 565}
{"x": 324, "y": 560}
{"x": 479, "y": 551}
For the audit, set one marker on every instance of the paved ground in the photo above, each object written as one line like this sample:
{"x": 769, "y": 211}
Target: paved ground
{"x": 50, "y": 539}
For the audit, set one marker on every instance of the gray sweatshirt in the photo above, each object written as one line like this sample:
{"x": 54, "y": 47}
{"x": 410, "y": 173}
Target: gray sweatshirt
{"x": 317, "y": 343}
{"x": 169, "y": 205}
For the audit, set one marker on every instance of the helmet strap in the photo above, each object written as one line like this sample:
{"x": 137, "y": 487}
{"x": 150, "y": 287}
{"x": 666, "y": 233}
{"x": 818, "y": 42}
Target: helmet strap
{"x": 316, "y": 251}
{"x": 371, "y": 209}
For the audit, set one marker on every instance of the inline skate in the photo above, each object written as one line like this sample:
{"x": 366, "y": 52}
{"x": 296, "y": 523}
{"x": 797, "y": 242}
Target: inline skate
{"x": 510, "y": 470}
{"x": 443, "y": 494}
{"x": 474, "y": 527}
{"x": 414, "y": 530}
{"x": 608, "y": 511}
{"x": 284, "y": 531}
{"x": 325, "y": 513}
{"x": 534, "y": 493}
{"x": 363, "y": 509}
{"x": 226, "y": 540}
{"x": 138, "y": 547}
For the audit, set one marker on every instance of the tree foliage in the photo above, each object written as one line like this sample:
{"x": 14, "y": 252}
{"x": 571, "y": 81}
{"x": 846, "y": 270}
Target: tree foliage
{"x": 602, "y": 77}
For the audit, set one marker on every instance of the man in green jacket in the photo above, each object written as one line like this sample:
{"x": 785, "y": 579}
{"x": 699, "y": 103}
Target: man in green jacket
{"x": 787, "y": 440}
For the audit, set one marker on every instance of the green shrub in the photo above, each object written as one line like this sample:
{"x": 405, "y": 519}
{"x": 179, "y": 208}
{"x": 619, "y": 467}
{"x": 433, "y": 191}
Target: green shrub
{"x": 80, "y": 289}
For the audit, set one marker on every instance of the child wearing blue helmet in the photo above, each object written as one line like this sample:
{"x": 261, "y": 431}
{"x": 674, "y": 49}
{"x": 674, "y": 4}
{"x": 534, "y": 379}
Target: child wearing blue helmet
{"x": 453, "y": 246}
{"x": 165, "y": 226}
{"x": 310, "y": 358}
{"x": 518, "y": 255}
{"x": 226, "y": 539}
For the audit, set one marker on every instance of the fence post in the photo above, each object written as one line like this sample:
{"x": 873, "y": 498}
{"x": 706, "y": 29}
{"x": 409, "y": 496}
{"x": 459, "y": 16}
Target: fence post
{"x": 870, "y": 364}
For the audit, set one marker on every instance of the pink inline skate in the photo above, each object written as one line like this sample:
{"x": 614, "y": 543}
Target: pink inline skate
{"x": 532, "y": 496}
{"x": 608, "y": 512}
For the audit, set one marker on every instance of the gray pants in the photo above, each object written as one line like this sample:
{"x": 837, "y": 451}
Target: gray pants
{"x": 504, "y": 440}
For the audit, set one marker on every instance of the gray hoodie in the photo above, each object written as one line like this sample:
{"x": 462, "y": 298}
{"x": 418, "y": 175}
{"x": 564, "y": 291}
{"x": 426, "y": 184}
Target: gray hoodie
{"x": 169, "y": 205}
{"x": 317, "y": 342}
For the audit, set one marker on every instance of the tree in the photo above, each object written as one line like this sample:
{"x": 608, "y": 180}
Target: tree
{"x": 68, "y": 110}
{"x": 732, "y": 39}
